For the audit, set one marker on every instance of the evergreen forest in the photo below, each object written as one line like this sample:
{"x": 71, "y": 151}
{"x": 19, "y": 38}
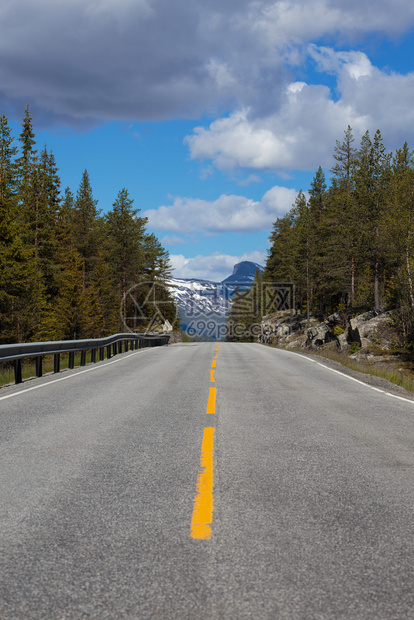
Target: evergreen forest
{"x": 348, "y": 245}
{"x": 67, "y": 271}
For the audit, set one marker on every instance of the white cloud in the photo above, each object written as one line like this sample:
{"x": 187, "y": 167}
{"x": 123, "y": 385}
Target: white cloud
{"x": 76, "y": 60}
{"x": 215, "y": 267}
{"x": 301, "y": 133}
{"x": 228, "y": 213}
{"x": 354, "y": 64}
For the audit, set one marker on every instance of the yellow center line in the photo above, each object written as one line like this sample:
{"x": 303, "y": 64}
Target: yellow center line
{"x": 203, "y": 501}
{"x": 217, "y": 347}
{"x": 213, "y": 364}
{"x": 211, "y": 405}
{"x": 212, "y": 376}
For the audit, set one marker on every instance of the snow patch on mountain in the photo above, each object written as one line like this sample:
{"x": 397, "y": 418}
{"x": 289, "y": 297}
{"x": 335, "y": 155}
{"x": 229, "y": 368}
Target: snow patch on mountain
{"x": 204, "y": 305}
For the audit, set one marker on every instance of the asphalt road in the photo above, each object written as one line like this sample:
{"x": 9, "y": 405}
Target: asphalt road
{"x": 304, "y": 478}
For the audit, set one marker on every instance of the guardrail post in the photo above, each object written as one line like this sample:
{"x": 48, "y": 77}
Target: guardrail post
{"x": 118, "y": 343}
{"x": 39, "y": 366}
{"x": 18, "y": 371}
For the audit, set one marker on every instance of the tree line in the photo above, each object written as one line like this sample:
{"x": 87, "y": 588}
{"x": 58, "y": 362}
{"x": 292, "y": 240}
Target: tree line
{"x": 67, "y": 271}
{"x": 349, "y": 245}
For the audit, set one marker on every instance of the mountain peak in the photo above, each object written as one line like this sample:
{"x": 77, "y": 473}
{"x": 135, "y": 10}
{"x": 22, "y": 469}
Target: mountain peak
{"x": 204, "y": 305}
{"x": 245, "y": 270}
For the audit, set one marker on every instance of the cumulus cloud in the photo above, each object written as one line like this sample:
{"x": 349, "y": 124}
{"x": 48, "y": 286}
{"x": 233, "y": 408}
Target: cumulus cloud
{"x": 150, "y": 59}
{"x": 302, "y": 132}
{"x": 229, "y": 213}
{"x": 215, "y": 267}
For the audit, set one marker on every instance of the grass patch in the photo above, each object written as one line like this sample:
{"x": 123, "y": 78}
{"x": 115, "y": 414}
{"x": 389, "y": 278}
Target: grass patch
{"x": 29, "y": 366}
{"x": 393, "y": 375}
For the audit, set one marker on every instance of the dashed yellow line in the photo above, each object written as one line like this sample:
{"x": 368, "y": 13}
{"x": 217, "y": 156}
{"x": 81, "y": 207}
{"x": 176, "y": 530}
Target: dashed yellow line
{"x": 203, "y": 501}
{"x": 211, "y": 404}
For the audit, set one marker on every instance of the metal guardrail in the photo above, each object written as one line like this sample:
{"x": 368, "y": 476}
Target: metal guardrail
{"x": 113, "y": 345}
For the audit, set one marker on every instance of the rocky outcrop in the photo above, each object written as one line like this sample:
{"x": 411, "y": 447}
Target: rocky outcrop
{"x": 364, "y": 335}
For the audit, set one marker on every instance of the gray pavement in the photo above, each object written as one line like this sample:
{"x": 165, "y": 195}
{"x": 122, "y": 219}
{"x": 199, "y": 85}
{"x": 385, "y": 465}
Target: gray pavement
{"x": 313, "y": 491}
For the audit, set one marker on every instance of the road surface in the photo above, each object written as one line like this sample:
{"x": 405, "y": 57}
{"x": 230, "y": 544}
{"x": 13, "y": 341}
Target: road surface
{"x": 204, "y": 481}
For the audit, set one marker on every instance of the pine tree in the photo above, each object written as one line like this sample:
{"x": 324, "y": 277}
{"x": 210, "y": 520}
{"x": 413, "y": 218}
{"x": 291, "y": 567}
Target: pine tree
{"x": 345, "y": 155}
{"x": 344, "y": 212}
{"x": 317, "y": 258}
{"x": 303, "y": 252}
{"x": 107, "y": 292}
{"x": 126, "y": 236}
{"x": 280, "y": 261}
{"x": 371, "y": 184}
{"x": 28, "y": 173}
{"x": 75, "y": 312}
{"x": 64, "y": 223}
{"x": 28, "y": 152}
{"x": 398, "y": 224}
{"x": 19, "y": 299}
{"x": 87, "y": 228}
{"x": 47, "y": 212}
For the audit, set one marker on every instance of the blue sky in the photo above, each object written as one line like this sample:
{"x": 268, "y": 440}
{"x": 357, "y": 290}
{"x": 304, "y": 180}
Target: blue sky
{"x": 213, "y": 115}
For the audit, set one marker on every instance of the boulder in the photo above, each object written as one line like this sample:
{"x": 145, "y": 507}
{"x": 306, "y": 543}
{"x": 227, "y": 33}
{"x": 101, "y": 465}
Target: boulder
{"x": 371, "y": 331}
{"x": 319, "y": 335}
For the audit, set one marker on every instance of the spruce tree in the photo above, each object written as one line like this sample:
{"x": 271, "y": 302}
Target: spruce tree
{"x": 398, "y": 224}
{"x": 371, "y": 185}
{"x": 87, "y": 228}
{"x": 345, "y": 156}
{"x": 19, "y": 293}
{"x": 343, "y": 215}
{"x": 126, "y": 236}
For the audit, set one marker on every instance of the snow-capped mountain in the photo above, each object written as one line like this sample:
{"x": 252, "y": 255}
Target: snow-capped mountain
{"x": 199, "y": 296}
{"x": 204, "y": 305}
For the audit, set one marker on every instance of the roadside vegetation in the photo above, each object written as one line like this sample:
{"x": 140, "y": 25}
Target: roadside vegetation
{"x": 399, "y": 373}
{"x": 347, "y": 246}
{"x": 29, "y": 366}
{"x": 67, "y": 271}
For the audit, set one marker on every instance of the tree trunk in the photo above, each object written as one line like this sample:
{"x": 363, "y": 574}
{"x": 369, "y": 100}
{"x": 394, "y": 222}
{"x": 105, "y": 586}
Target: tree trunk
{"x": 352, "y": 281}
{"x": 307, "y": 293}
{"x": 376, "y": 273}
{"x": 376, "y": 278}
{"x": 410, "y": 280}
